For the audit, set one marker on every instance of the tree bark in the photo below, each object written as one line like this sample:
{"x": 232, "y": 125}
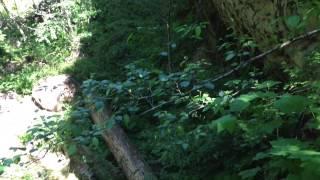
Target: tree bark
{"x": 124, "y": 152}
{"x": 262, "y": 20}
{"x": 265, "y": 22}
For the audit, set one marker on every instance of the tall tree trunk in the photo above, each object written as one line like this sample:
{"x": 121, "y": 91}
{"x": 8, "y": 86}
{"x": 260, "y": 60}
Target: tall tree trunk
{"x": 261, "y": 19}
{"x": 264, "y": 21}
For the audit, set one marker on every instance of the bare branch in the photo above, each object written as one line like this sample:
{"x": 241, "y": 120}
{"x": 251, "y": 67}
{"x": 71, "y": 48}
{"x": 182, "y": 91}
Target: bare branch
{"x": 260, "y": 56}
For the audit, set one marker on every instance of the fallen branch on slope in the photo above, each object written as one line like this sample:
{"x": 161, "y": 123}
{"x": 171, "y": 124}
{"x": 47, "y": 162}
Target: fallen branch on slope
{"x": 245, "y": 63}
{"x": 260, "y": 56}
{"x": 127, "y": 156}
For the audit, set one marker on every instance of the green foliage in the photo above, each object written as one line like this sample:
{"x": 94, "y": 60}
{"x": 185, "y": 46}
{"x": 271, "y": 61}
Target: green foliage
{"x": 225, "y": 123}
{"x": 194, "y": 31}
{"x": 236, "y": 48}
{"x": 6, "y": 162}
{"x": 181, "y": 122}
{"x": 50, "y": 33}
{"x": 185, "y": 125}
{"x": 289, "y": 104}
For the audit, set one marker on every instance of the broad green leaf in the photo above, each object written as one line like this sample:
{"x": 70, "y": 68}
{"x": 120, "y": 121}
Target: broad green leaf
{"x": 126, "y": 120}
{"x": 248, "y": 97}
{"x": 293, "y": 21}
{"x": 285, "y": 147}
{"x": 163, "y": 77}
{"x": 267, "y": 84}
{"x": 99, "y": 105}
{"x": 290, "y": 103}
{"x": 227, "y": 122}
{"x": 185, "y": 146}
{"x": 295, "y": 149}
{"x": 270, "y": 126}
{"x": 1, "y": 169}
{"x": 72, "y": 149}
{"x": 238, "y": 105}
{"x": 95, "y": 142}
{"x": 230, "y": 55}
{"x": 198, "y": 32}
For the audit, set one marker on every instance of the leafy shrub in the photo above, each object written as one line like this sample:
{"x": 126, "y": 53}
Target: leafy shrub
{"x": 193, "y": 131}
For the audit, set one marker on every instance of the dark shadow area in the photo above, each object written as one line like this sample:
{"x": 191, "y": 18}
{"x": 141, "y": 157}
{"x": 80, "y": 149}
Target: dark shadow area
{"x": 132, "y": 32}
{"x": 120, "y": 33}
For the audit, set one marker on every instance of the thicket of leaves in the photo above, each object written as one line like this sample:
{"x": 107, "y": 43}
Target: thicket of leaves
{"x": 122, "y": 32}
{"x": 251, "y": 129}
{"x": 187, "y": 126}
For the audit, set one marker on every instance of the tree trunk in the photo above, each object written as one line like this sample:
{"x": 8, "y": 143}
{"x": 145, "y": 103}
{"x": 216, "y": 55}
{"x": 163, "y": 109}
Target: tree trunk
{"x": 257, "y": 18}
{"x": 124, "y": 152}
{"x": 264, "y": 21}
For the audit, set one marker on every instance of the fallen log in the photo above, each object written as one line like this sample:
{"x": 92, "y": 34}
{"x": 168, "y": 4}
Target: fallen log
{"x": 127, "y": 156}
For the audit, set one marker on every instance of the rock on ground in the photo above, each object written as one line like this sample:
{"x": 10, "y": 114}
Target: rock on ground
{"x": 53, "y": 91}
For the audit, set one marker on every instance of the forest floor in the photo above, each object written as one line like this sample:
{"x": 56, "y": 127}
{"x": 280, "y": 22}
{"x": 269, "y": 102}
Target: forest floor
{"x": 17, "y": 115}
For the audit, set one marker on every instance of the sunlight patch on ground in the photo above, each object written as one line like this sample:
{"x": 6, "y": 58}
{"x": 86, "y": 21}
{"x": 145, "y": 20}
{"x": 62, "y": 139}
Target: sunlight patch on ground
{"x": 17, "y": 115}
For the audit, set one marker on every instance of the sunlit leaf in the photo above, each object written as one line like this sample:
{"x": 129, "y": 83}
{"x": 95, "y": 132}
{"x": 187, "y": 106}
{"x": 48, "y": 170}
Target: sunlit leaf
{"x": 230, "y": 55}
{"x": 248, "y": 97}
{"x": 1, "y": 169}
{"x": 227, "y": 123}
{"x": 267, "y": 84}
{"x": 238, "y": 105}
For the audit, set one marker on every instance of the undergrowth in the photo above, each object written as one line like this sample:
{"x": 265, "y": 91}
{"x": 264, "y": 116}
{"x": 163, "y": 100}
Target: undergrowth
{"x": 249, "y": 128}
{"x": 187, "y": 126}
{"x": 40, "y": 43}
